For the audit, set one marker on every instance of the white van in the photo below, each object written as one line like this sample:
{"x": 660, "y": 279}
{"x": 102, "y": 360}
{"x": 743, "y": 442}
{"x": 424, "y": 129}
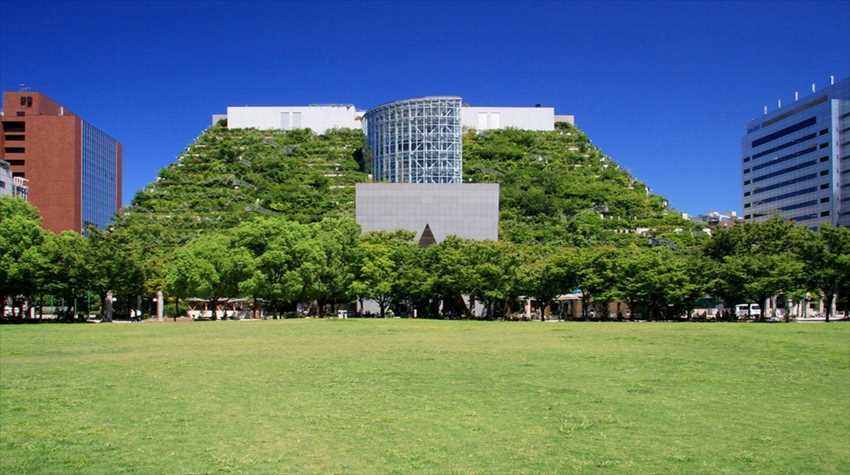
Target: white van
{"x": 742, "y": 310}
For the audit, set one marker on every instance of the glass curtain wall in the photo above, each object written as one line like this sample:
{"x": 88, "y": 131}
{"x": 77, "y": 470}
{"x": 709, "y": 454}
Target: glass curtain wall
{"x": 416, "y": 140}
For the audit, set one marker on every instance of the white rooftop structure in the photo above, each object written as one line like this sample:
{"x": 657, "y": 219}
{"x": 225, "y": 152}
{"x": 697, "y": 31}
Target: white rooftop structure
{"x": 488, "y": 118}
{"x": 323, "y": 117}
{"x": 318, "y": 118}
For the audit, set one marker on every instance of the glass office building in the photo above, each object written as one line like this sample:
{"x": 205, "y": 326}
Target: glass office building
{"x": 416, "y": 140}
{"x": 796, "y": 161}
{"x": 99, "y": 174}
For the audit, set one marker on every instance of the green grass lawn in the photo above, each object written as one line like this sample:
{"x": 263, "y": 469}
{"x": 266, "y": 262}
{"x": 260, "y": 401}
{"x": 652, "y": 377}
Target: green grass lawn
{"x": 367, "y": 396}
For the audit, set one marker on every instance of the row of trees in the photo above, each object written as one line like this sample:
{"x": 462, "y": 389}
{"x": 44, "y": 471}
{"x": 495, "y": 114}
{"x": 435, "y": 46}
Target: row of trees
{"x": 65, "y": 270}
{"x": 284, "y": 263}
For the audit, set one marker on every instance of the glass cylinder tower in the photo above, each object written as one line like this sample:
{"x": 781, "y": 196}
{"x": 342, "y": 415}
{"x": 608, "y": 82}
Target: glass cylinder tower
{"x": 416, "y": 140}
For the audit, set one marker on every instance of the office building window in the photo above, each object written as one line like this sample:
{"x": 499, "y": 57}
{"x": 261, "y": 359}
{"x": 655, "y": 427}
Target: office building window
{"x": 824, "y": 172}
{"x": 747, "y": 182}
{"x": 799, "y": 166}
{"x": 804, "y": 217}
{"x": 824, "y": 213}
{"x": 14, "y": 150}
{"x": 824, "y": 145}
{"x": 785, "y": 158}
{"x": 783, "y": 196}
{"x": 783, "y": 132}
{"x": 804, "y": 204}
{"x": 99, "y": 177}
{"x": 785, "y": 145}
{"x": 785, "y": 183}
{"x": 825, "y": 200}
{"x": 823, "y": 132}
{"x": 14, "y": 126}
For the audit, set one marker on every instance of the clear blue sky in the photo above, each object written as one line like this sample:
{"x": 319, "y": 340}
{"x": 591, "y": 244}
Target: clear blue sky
{"x": 664, "y": 88}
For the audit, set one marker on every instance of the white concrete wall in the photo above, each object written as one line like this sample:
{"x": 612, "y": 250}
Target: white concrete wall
{"x": 487, "y": 118}
{"x": 319, "y": 119}
{"x": 468, "y": 210}
{"x": 7, "y": 184}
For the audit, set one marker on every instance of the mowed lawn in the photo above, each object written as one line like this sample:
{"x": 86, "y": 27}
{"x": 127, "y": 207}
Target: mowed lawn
{"x": 402, "y": 396}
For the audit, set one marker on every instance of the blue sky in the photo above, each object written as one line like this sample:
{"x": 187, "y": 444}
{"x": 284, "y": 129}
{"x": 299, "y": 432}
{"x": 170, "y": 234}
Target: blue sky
{"x": 665, "y": 88}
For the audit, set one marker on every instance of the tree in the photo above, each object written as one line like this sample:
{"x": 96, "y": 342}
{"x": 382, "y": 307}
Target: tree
{"x": 117, "y": 267}
{"x": 827, "y": 263}
{"x": 657, "y": 280}
{"x": 20, "y": 235}
{"x": 211, "y": 267}
{"x": 757, "y": 261}
{"x": 548, "y": 273}
{"x": 67, "y": 271}
{"x": 760, "y": 277}
{"x": 339, "y": 240}
{"x": 596, "y": 272}
{"x": 379, "y": 270}
{"x": 288, "y": 261}
{"x": 496, "y": 268}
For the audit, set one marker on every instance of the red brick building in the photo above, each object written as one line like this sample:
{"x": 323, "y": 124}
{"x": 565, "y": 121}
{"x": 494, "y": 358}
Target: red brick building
{"x": 73, "y": 168}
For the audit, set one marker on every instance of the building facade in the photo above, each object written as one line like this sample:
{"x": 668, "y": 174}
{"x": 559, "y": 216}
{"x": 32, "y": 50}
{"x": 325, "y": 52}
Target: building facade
{"x": 416, "y": 140}
{"x": 796, "y": 161}
{"x": 322, "y": 118}
{"x": 468, "y": 210}
{"x": 318, "y": 118}
{"x": 73, "y": 169}
{"x": 490, "y": 118}
{"x": 13, "y": 186}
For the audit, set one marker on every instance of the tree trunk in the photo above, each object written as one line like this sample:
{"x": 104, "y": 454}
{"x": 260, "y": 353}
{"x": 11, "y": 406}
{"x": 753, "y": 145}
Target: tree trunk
{"x": 584, "y": 302}
{"x": 829, "y": 296}
{"x": 107, "y": 307}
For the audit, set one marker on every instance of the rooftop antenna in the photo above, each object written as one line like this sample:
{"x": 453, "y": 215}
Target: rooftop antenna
{"x": 24, "y": 87}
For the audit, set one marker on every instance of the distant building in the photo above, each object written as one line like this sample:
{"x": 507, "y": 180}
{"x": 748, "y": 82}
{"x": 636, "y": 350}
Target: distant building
{"x": 14, "y": 186}
{"x": 73, "y": 169}
{"x": 796, "y": 160}
{"x": 716, "y": 219}
{"x": 469, "y": 210}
